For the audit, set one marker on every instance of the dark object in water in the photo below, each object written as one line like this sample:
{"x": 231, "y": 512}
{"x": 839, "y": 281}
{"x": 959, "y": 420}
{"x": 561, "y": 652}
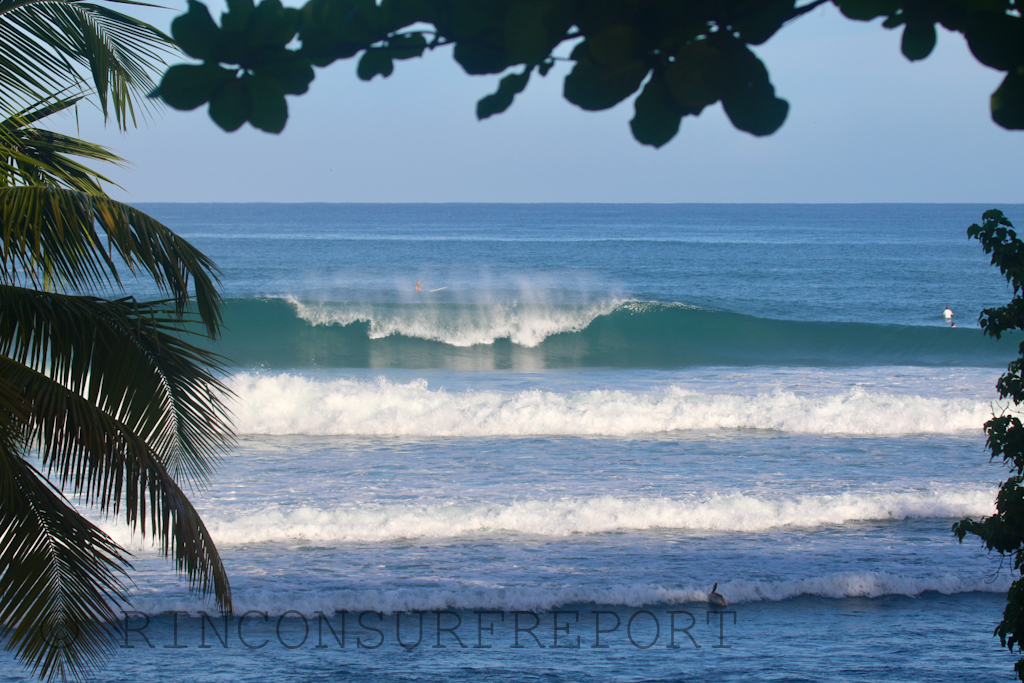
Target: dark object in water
{"x": 715, "y": 598}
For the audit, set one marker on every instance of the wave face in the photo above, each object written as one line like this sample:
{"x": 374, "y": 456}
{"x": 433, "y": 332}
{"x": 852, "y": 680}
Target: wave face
{"x": 286, "y": 334}
{"x": 734, "y": 513}
{"x": 863, "y": 584}
{"x": 289, "y": 404}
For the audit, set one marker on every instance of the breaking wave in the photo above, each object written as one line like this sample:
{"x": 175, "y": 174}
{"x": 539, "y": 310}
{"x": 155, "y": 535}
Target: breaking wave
{"x": 507, "y": 598}
{"x": 285, "y": 334}
{"x": 291, "y": 404}
{"x": 732, "y": 513}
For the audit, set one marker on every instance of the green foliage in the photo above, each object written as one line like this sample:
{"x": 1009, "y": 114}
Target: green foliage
{"x": 684, "y": 56}
{"x": 34, "y": 156}
{"x": 116, "y": 404}
{"x": 1003, "y": 532}
{"x": 254, "y": 39}
{"x": 102, "y": 400}
{"x": 73, "y": 47}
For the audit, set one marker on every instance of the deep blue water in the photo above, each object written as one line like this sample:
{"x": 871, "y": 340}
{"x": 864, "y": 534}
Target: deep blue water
{"x": 602, "y": 408}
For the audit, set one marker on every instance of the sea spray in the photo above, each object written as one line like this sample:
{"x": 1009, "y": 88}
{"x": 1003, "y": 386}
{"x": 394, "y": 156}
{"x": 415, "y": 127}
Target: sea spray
{"x": 524, "y": 324}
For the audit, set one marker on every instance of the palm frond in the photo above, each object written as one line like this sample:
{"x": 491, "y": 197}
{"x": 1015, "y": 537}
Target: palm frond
{"x": 50, "y": 241}
{"x": 130, "y": 360}
{"x": 59, "y": 575}
{"x": 48, "y": 45}
{"x": 35, "y": 156}
{"x": 89, "y": 453}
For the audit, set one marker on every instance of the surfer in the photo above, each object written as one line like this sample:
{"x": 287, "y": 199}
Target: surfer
{"x": 420, "y": 289}
{"x": 947, "y": 315}
{"x": 715, "y": 598}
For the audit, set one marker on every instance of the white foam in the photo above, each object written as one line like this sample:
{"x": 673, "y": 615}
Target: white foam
{"x": 734, "y": 513}
{"x": 508, "y": 598}
{"x": 290, "y": 404}
{"x": 526, "y": 324}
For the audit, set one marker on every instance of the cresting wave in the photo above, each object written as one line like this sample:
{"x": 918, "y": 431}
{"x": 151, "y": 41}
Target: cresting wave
{"x": 458, "y": 325}
{"x": 733, "y": 513}
{"x": 285, "y": 334}
{"x": 290, "y": 404}
{"x": 391, "y": 600}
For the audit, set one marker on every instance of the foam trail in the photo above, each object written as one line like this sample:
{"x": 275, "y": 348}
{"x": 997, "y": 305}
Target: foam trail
{"x": 289, "y": 404}
{"x": 508, "y": 598}
{"x": 525, "y": 324}
{"x": 735, "y": 513}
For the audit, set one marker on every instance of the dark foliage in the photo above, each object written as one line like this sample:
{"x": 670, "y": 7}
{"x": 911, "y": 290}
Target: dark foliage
{"x": 1003, "y": 532}
{"x": 681, "y": 56}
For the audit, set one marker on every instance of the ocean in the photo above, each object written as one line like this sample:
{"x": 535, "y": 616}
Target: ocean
{"x": 538, "y": 471}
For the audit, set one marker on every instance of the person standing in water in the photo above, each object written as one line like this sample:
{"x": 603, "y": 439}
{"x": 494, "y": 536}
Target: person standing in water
{"x": 420, "y": 289}
{"x": 947, "y": 315}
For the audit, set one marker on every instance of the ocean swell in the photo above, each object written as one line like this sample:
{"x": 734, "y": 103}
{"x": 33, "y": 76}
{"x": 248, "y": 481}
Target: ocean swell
{"x": 865, "y": 584}
{"x": 284, "y": 334}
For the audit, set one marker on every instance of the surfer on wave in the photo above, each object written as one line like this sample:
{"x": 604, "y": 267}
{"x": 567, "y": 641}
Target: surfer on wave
{"x": 947, "y": 315}
{"x": 420, "y": 288}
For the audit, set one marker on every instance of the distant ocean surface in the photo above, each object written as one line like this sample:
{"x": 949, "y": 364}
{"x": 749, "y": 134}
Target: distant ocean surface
{"x": 602, "y": 411}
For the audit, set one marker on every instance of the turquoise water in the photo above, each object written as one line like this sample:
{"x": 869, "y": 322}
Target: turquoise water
{"x": 606, "y": 409}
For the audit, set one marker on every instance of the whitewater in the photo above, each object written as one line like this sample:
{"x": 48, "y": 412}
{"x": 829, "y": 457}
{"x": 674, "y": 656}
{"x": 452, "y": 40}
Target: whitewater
{"x": 607, "y": 410}
{"x": 290, "y": 404}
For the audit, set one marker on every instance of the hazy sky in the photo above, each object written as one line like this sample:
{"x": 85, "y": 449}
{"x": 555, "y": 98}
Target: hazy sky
{"x": 865, "y": 125}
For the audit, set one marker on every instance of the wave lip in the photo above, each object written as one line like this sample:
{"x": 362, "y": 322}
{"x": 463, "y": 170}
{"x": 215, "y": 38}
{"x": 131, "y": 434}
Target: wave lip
{"x": 291, "y": 404}
{"x": 864, "y": 584}
{"x": 524, "y": 324}
{"x": 732, "y": 513}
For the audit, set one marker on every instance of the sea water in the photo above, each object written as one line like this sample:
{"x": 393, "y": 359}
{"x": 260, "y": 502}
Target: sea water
{"x": 537, "y": 472}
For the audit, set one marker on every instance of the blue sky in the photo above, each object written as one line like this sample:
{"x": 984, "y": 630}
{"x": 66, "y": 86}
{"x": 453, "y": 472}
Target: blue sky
{"x": 865, "y": 125}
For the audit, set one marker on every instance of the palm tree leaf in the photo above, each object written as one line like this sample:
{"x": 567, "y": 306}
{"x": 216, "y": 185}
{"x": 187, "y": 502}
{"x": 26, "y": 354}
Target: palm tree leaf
{"x": 129, "y": 359}
{"x": 59, "y": 575}
{"x": 35, "y": 156}
{"x": 49, "y": 45}
{"x": 84, "y": 449}
{"x": 50, "y": 240}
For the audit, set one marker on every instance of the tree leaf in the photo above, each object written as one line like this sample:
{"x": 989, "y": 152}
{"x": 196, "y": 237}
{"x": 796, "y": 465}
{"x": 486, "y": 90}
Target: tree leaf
{"x": 187, "y": 86}
{"x": 918, "y": 40}
{"x": 866, "y": 10}
{"x": 593, "y": 86}
{"x": 271, "y": 25}
{"x": 996, "y": 39}
{"x": 1008, "y": 102}
{"x": 657, "y": 116}
{"x": 484, "y": 54}
{"x": 130, "y": 360}
{"x": 695, "y": 77}
{"x": 232, "y": 105}
{"x": 59, "y": 46}
{"x": 291, "y": 73}
{"x": 508, "y": 88}
{"x": 375, "y": 61}
{"x": 407, "y": 46}
{"x": 269, "y": 110}
{"x": 749, "y": 99}
{"x": 196, "y": 33}
{"x": 50, "y": 240}
{"x": 613, "y": 46}
{"x": 60, "y": 578}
